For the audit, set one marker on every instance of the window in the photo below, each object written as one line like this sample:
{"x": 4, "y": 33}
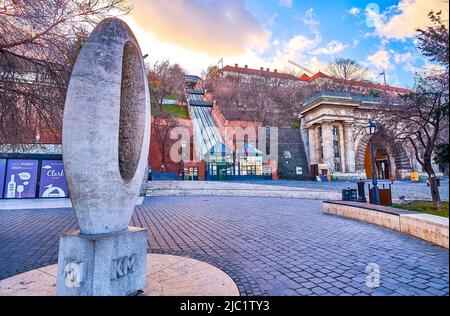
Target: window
{"x": 336, "y": 149}
{"x": 321, "y": 150}
{"x": 251, "y": 166}
{"x": 335, "y": 130}
{"x": 267, "y": 171}
{"x": 337, "y": 167}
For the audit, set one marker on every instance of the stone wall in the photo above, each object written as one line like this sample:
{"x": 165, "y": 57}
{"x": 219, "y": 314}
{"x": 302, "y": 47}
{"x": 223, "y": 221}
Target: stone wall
{"x": 290, "y": 139}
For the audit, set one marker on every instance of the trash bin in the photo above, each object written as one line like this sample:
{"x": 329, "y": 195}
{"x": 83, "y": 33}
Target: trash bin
{"x": 345, "y": 194}
{"x": 353, "y": 195}
{"x": 361, "y": 192}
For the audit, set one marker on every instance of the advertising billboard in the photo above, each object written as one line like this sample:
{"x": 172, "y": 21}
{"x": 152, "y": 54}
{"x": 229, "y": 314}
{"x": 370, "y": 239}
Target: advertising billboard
{"x": 21, "y": 179}
{"x": 53, "y": 181}
{"x": 2, "y": 175}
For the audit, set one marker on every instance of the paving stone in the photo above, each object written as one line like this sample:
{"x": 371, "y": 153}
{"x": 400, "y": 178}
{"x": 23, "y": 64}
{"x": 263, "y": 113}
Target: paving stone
{"x": 267, "y": 249}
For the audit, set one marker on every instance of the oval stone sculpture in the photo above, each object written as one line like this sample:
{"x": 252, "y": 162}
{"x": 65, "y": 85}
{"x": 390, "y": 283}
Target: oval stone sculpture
{"x": 106, "y": 129}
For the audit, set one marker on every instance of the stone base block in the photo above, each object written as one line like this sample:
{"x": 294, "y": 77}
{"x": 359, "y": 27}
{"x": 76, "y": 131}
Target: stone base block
{"x": 102, "y": 265}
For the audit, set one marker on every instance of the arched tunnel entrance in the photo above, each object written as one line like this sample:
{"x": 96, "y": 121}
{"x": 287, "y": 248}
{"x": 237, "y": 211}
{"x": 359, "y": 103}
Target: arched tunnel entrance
{"x": 390, "y": 157}
{"x": 382, "y": 162}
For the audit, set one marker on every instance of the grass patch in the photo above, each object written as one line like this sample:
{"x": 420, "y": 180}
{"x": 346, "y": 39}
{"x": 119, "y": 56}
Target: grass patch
{"x": 425, "y": 207}
{"x": 171, "y": 97}
{"x": 178, "y": 111}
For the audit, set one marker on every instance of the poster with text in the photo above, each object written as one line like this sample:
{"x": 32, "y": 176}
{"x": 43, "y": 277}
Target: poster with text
{"x": 53, "y": 181}
{"x": 21, "y": 178}
{"x": 2, "y": 175}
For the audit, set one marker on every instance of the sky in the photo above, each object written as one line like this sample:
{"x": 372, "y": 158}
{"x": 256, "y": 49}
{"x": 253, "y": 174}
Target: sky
{"x": 268, "y": 33}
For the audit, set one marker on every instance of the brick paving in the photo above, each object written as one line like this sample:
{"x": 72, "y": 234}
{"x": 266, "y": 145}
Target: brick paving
{"x": 268, "y": 246}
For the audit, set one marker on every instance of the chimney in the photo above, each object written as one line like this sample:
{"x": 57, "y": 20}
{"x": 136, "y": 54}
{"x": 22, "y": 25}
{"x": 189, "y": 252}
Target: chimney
{"x": 275, "y": 70}
{"x": 236, "y": 65}
{"x": 268, "y": 69}
{"x": 246, "y": 66}
{"x": 262, "y": 68}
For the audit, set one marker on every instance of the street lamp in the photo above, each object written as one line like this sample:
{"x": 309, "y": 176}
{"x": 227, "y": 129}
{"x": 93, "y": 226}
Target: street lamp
{"x": 183, "y": 147}
{"x": 371, "y": 129}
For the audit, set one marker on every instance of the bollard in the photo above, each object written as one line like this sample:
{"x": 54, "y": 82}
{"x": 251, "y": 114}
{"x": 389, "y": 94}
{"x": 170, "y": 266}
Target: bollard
{"x": 361, "y": 192}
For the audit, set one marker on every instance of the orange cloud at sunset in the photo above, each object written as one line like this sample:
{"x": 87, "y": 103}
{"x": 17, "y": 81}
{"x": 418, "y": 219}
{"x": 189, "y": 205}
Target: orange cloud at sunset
{"x": 216, "y": 27}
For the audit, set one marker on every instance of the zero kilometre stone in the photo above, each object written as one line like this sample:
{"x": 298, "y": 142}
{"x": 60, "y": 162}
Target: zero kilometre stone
{"x": 114, "y": 264}
{"x": 106, "y": 137}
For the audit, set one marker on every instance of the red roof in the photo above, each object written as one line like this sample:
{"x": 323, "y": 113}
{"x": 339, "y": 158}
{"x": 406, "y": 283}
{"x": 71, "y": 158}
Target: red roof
{"x": 319, "y": 75}
{"x": 305, "y": 77}
{"x": 364, "y": 84}
{"x": 255, "y": 72}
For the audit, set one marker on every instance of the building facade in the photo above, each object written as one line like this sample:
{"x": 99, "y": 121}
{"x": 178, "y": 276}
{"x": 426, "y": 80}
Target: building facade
{"x": 337, "y": 144}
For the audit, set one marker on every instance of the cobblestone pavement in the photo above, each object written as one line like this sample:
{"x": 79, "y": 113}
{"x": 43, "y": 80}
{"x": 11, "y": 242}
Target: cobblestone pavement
{"x": 410, "y": 190}
{"x": 268, "y": 246}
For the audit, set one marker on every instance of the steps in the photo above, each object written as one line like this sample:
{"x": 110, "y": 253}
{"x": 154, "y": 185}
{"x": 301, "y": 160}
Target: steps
{"x": 213, "y": 188}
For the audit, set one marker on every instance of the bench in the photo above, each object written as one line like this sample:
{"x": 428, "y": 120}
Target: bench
{"x": 431, "y": 228}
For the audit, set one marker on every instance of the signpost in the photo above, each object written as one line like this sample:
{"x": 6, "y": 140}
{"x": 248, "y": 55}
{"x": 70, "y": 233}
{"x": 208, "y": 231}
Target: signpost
{"x": 52, "y": 182}
{"x": 21, "y": 178}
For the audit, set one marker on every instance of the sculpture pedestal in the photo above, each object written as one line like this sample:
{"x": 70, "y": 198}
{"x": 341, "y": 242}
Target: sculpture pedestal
{"x": 99, "y": 265}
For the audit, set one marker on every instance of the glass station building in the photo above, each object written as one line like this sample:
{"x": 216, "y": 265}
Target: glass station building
{"x": 246, "y": 163}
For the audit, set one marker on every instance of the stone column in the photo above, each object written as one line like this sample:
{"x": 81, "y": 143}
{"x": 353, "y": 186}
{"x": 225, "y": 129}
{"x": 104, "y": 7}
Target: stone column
{"x": 313, "y": 150}
{"x": 317, "y": 144}
{"x": 342, "y": 148}
{"x": 327, "y": 141}
{"x": 350, "y": 157}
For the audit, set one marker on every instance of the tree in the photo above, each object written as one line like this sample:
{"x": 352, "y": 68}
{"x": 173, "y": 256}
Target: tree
{"x": 165, "y": 80}
{"x": 347, "y": 69}
{"x": 433, "y": 41}
{"x": 441, "y": 154}
{"x": 212, "y": 73}
{"x": 163, "y": 123}
{"x": 263, "y": 98}
{"x": 343, "y": 71}
{"x": 39, "y": 42}
{"x": 421, "y": 117}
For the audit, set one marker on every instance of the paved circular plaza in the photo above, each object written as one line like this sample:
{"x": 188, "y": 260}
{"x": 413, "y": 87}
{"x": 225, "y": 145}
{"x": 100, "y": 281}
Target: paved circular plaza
{"x": 267, "y": 246}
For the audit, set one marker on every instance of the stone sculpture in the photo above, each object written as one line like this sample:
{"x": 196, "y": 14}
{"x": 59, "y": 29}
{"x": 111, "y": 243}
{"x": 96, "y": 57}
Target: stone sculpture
{"x": 106, "y": 131}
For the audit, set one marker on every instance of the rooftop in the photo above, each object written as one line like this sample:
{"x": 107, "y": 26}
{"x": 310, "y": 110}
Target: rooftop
{"x": 306, "y": 78}
{"x": 341, "y": 95}
{"x": 261, "y": 72}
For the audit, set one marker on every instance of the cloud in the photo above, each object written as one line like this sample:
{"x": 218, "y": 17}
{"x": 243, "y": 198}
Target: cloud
{"x": 401, "y": 21}
{"x": 310, "y": 20}
{"x": 332, "y": 48}
{"x": 299, "y": 49}
{"x": 300, "y": 44}
{"x": 380, "y": 60}
{"x": 285, "y": 3}
{"x": 193, "y": 61}
{"x": 215, "y": 27}
{"x": 403, "y": 58}
{"x": 354, "y": 11}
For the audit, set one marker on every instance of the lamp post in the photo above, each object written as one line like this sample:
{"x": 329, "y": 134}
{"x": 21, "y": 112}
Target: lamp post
{"x": 371, "y": 128}
{"x": 183, "y": 147}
